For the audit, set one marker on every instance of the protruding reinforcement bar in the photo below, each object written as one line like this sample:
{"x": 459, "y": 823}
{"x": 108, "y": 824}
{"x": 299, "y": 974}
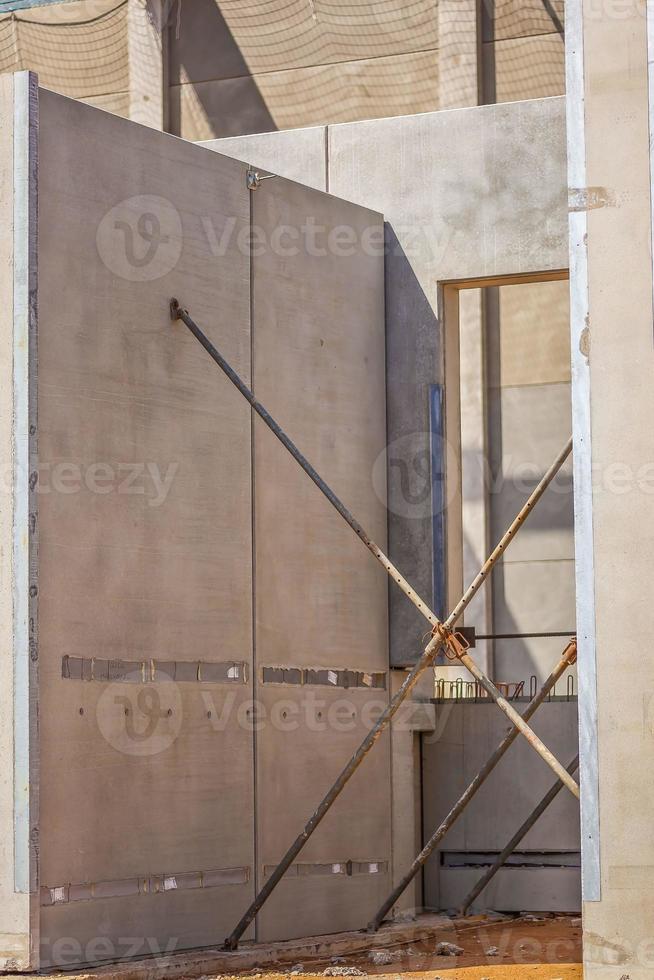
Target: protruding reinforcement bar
{"x": 443, "y": 635}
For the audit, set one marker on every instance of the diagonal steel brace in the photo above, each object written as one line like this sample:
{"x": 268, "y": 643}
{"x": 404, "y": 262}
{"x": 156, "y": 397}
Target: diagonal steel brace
{"x": 567, "y": 659}
{"x": 443, "y": 632}
{"x": 524, "y": 828}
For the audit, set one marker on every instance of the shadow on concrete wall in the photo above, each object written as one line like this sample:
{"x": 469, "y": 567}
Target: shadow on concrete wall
{"x": 413, "y": 364}
{"x": 203, "y": 50}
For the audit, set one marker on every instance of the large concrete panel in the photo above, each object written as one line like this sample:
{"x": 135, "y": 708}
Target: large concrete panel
{"x": 155, "y": 778}
{"x": 521, "y": 889}
{"x": 611, "y": 115}
{"x": 297, "y": 154}
{"x": 321, "y": 599}
{"x": 466, "y": 193}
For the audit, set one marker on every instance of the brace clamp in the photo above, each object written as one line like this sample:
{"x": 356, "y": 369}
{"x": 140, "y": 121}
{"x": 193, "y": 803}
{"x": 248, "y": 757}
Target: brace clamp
{"x": 571, "y": 652}
{"x": 455, "y": 643}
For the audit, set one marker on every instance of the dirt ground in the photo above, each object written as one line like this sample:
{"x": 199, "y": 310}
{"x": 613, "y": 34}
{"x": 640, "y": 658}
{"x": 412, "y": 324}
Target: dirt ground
{"x": 509, "y": 949}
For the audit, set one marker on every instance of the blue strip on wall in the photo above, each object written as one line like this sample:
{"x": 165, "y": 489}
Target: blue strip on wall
{"x": 438, "y": 500}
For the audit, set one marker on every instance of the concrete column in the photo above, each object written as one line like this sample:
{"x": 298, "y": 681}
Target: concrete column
{"x": 609, "y": 122}
{"x": 19, "y": 944}
{"x": 474, "y": 468}
{"x": 416, "y": 716}
{"x": 146, "y": 23}
{"x": 458, "y": 53}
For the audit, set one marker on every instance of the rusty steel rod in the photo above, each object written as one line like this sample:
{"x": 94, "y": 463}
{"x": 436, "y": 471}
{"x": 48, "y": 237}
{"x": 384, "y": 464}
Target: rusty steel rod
{"x": 519, "y": 722}
{"x": 502, "y": 857}
{"x": 566, "y": 660}
{"x": 177, "y": 313}
{"x": 430, "y": 651}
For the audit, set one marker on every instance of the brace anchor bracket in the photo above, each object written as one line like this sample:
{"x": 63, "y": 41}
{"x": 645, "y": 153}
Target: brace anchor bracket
{"x": 454, "y": 642}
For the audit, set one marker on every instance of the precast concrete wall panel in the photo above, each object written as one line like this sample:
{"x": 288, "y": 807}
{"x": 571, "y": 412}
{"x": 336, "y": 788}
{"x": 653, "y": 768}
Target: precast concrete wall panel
{"x": 187, "y": 572}
{"x": 466, "y": 194}
{"x": 147, "y": 789}
{"x": 321, "y": 599}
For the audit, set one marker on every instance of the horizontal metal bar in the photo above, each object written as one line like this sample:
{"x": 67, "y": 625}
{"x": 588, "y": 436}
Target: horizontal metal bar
{"x": 523, "y": 636}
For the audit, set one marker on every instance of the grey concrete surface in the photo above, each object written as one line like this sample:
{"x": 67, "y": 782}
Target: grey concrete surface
{"x": 321, "y": 599}
{"x": 464, "y": 737}
{"x": 18, "y": 535}
{"x": 466, "y": 193}
{"x": 123, "y": 575}
{"x": 610, "y": 114}
{"x": 297, "y": 154}
{"x": 151, "y": 810}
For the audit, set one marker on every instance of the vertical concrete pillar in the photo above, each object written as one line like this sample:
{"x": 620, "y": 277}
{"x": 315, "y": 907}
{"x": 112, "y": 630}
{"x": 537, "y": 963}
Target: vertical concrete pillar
{"x": 146, "y": 42}
{"x": 406, "y": 783}
{"x": 609, "y": 126}
{"x": 474, "y": 470}
{"x": 458, "y": 53}
{"x": 18, "y": 526}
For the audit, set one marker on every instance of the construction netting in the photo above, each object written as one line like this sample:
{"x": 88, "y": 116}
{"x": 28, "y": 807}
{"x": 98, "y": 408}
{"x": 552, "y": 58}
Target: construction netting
{"x": 78, "y": 48}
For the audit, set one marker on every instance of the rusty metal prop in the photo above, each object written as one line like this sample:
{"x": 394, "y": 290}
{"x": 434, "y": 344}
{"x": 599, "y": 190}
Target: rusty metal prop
{"x": 444, "y": 630}
{"x": 566, "y": 660}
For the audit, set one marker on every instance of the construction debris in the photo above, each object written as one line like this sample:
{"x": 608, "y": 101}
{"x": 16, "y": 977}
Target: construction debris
{"x": 343, "y": 971}
{"x": 448, "y": 949}
{"x": 380, "y": 957}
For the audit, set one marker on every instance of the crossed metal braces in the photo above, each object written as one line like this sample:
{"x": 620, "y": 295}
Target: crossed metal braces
{"x": 443, "y": 637}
